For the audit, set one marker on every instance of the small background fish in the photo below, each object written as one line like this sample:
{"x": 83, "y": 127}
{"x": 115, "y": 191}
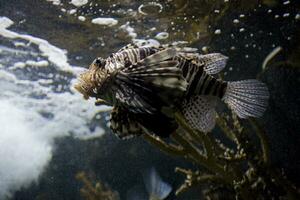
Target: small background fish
{"x": 156, "y": 188}
{"x": 147, "y": 84}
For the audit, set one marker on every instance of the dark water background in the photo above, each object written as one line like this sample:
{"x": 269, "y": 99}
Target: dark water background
{"x": 247, "y": 43}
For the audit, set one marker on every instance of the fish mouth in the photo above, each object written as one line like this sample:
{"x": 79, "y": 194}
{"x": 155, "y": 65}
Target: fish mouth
{"x": 85, "y": 85}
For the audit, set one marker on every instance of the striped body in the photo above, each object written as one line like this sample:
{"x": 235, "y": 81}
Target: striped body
{"x": 200, "y": 82}
{"x": 117, "y": 60}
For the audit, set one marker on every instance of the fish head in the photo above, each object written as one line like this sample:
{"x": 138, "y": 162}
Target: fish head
{"x": 93, "y": 82}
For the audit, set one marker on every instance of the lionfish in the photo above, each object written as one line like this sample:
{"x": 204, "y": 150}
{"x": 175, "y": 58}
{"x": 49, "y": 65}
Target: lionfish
{"x": 146, "y": 85}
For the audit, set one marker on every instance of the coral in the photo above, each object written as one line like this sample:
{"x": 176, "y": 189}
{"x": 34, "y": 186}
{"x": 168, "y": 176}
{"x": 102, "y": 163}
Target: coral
{"x": 242, "y": 167}
{"x": 99, "y": 191}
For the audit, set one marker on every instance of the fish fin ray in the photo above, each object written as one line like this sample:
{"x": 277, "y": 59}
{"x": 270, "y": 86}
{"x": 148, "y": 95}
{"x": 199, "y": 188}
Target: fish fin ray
{"x": 213, "y": 62}
{"x": 200, "y": 113}
{"x": 247, "y": 98}
{"x": 159, "y": 56}
{"x": 164, "y": 74}
{"x": 135, "y": 102}
{"x": 123, "y": 124}
{"x": 150, "y": 86}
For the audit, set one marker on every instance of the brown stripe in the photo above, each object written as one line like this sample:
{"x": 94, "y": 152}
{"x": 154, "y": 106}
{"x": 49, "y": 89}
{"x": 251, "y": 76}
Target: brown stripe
{"x": 126, "y": 56}
{"x": 194, "y": 83}
{"x": 135, "y": 54}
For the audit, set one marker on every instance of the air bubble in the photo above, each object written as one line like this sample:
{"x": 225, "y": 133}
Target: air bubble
{"x": 218, "y": 31}
{"x": 236, "y": 21}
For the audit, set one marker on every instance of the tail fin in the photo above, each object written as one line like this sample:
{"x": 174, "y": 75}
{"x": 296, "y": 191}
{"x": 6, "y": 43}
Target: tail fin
{"x": 247, "y": 98}
{"x": 156, "y": 188}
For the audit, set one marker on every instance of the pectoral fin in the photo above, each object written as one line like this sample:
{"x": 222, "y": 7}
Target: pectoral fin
{"x": 148, "y": 88}
{"x": 123, "y": 123}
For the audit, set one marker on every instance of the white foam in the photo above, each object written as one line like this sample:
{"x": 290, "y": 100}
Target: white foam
{"x": 6, "y": 76}
{"x": 59, "y": 104}
{"x": 131, "y": 32}
{"x": 41, "y": 63}
{"x": 79, "y": 3}
{"x": 19, "y": 44}
{"x": 105, "y": 21}
{"x": 5, "y": 22}
{"x": 23, "y": 151}
{"x": 18, "y": 65}
{"x": 55, "y": 55}
{"x": 34, "y": 113}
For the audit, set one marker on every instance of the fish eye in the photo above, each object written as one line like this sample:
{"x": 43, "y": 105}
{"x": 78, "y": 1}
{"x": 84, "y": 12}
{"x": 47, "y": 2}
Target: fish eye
{"x": 99, "y": 62}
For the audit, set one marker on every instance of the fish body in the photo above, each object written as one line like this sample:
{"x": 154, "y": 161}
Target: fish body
{"x": 146, "y": 85}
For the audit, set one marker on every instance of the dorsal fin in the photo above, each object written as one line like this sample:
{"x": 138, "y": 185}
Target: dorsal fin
{"x": 213, "y": 62}
{"x": 159, "y": 56}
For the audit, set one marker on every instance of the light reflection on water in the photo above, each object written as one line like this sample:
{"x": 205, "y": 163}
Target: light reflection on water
{"x": 38, "y": 83}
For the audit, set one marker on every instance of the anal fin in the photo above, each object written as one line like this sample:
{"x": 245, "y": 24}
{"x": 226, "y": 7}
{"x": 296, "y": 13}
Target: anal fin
{"x": 200, "y": 113}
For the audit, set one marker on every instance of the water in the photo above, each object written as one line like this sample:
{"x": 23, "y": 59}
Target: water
{"x": 49, "y": 133}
